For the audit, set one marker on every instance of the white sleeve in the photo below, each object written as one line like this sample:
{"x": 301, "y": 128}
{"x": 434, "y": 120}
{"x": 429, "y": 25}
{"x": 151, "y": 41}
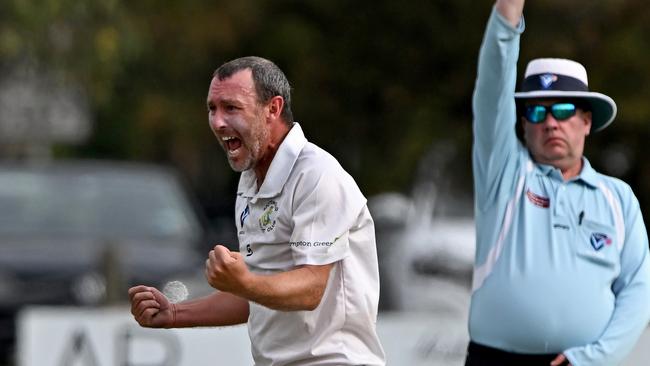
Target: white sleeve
{"x": 327, "y": 203}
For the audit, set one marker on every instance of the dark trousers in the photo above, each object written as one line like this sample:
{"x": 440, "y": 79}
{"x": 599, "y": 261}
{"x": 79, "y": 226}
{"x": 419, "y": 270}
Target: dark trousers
{"x": 479, "y": 355}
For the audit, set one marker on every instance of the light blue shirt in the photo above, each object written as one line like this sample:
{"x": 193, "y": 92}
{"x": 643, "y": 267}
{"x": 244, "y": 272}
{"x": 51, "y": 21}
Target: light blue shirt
{"x": 561, "y": 266}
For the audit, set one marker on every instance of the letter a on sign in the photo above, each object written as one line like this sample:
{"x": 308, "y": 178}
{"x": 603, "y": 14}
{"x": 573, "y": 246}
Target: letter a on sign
{"x": 78, "y": 351}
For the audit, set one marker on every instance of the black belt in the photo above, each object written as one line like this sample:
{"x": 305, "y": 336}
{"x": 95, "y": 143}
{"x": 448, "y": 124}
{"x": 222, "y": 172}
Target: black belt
{"x": 479, "y": 355}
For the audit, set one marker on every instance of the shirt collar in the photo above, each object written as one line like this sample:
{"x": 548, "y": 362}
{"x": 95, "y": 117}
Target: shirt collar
{"x": 587, "y": 175}
{"x": 279, "y": 170}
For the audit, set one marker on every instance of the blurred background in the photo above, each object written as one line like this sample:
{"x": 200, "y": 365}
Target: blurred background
{"x": 108, "y": 164}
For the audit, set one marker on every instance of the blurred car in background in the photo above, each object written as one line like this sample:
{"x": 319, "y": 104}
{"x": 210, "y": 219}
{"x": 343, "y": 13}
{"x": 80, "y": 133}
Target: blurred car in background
{"x": 82, "y": 232}
{"x": 426, "y": 246}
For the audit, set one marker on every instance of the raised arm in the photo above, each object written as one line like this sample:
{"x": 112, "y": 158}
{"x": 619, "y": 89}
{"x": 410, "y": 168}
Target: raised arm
{"x": 493, "y": 104}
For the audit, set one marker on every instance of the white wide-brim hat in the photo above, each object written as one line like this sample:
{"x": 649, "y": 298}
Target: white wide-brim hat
{"x": 562, "y": 78}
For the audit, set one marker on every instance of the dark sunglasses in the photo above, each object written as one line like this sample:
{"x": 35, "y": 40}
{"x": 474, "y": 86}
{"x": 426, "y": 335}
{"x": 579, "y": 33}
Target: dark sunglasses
{"x": 560, "y": 111}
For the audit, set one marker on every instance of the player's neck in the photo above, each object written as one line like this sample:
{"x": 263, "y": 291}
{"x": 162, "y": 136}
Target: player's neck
{"x": 263, "y": 165}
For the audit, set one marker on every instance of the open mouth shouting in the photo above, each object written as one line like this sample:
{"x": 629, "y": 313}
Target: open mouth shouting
{"x": 232, "y": 144}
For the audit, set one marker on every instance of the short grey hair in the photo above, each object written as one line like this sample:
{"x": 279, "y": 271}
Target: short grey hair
{"x": 269, "y": 80}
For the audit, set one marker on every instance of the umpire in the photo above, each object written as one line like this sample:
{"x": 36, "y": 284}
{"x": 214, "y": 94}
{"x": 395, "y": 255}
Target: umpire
{"x": 562, "y": 273}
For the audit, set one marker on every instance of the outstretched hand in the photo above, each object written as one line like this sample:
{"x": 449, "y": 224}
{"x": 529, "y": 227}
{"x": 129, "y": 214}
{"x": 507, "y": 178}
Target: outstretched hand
{"x": 151, "y": 308}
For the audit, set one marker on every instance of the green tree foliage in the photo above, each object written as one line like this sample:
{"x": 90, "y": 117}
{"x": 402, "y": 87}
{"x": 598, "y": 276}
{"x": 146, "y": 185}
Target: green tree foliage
{"x": 377, "y": 83}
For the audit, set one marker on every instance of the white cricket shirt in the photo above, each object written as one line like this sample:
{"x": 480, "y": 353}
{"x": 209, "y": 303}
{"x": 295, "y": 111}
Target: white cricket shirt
{"x": 310, "y": 211}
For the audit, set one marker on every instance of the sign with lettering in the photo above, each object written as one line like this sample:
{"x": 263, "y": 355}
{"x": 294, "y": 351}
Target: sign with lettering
{"x": 110, "y": 337}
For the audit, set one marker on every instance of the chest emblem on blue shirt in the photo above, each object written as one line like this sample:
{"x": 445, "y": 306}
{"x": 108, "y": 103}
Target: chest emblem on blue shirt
{"x": 599, "y": 240}
{"x": 537, "y": 200}
{"x": 267, "y": 219}
{"x": 546, "y": 80}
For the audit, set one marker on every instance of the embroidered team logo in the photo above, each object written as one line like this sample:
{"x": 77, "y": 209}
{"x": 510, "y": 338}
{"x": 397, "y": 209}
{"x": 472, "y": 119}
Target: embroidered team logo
{"x": 267, "y": 220}
{"x": 538, "y": 200}
{"x": 547, "y": 80}
{"x": 599, "y": 240}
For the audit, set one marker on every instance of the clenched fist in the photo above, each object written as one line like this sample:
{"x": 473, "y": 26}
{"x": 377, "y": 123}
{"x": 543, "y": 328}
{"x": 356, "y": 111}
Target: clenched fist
{"x": 226, "y": 270}
{"x": 151, "y": 308}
